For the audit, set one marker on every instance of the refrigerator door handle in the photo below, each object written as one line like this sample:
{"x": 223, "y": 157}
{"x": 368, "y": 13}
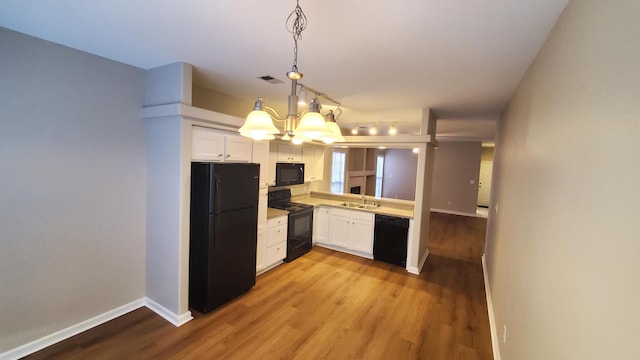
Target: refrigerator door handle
{"x": 212, "y": 230}
{"x": 218, "y": 195}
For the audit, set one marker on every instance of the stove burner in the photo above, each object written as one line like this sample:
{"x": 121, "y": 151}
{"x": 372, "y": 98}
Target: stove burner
{"x": 281, "y": 199}
{"x": 290, "y": 206}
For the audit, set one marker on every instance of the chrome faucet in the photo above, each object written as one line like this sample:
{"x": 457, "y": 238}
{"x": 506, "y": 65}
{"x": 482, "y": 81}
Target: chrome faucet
{"x": 363, "y": 198}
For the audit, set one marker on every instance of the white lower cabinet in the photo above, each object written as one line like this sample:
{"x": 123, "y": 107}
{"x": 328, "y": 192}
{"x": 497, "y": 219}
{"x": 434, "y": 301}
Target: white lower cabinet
{"x": 321, "y": 219}
{"x": 260, "y": 248}
{"x": 276, "y": 240}
{"x": 361, "y": 234}
{"x": 352, "y": 230}
{"x": 261, "y": 244}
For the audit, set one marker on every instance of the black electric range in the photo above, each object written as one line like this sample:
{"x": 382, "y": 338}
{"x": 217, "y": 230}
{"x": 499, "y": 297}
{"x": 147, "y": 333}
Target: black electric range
{"x": 300, "y": 223}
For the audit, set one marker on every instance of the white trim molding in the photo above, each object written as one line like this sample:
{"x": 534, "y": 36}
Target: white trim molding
{"x": 418, "y": 270}
{"x": 454, "y": 212}
{"x": 495, "y": 344}
{"x": 76, "y": 329}
{"x": 170, "y": 316}
{"x": 70, "y": 331}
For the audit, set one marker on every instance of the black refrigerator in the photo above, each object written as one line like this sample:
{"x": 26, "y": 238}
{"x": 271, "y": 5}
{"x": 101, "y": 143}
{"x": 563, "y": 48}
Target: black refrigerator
{"x": 223, "y": 232}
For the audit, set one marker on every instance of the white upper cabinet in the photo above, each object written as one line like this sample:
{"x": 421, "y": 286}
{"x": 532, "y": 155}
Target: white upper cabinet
{"x": 206, "y": 144}
{"x": 238, "y": 148}
{"x": 289, "y": 153}
{"x": 213, "y": 145}
{"x": 313, "y": 158}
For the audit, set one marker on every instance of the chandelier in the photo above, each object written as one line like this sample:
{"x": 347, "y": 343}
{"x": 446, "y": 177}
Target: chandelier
{"x": 299, "y": 128}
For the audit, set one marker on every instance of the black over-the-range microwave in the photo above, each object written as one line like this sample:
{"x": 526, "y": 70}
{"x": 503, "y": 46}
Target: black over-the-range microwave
{"x": 289, "y": 174}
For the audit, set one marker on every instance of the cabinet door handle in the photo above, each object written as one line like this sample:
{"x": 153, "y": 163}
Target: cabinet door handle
{"x": 219, "y": 155}
{"x": 228, "y": 156}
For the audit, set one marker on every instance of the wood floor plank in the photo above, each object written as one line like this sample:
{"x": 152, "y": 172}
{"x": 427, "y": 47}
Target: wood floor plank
{"x": 325, "y": 305}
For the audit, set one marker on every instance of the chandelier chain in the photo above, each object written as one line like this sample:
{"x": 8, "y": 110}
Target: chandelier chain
{"x": 295, "y": 25}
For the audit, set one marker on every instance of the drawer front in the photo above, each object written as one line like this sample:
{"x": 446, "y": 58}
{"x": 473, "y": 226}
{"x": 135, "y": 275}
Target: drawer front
{"x": 277, "y": 234}
{"x": 277, "y": 221}
{"x": 276, "y": 253}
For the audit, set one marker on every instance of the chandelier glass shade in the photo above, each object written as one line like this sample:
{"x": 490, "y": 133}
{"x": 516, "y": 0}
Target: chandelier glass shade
{"x": 336, "y": 134}
{"x": 259, "y": 124}
{"x": 312, "y": 124}
{"x": 334, "y": 129}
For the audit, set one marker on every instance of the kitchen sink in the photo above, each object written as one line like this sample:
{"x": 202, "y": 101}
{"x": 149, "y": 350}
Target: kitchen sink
{"x": 357, "y": 205}
{"x": 368, "y": 206}
{"x": 350, "y": 204}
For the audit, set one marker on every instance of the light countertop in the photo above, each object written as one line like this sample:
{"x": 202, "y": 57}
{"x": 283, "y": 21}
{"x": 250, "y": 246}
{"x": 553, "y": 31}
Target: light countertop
{"x": 273, "y": 213}
{"x": 386, "y": 208}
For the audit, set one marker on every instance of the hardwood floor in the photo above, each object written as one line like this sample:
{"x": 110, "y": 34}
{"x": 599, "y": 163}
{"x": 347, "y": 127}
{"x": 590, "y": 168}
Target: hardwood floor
{"x": 325, "y": 305}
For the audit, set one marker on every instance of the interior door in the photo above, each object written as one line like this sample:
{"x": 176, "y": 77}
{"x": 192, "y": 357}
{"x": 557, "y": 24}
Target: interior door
{"x": 484, "y": 184}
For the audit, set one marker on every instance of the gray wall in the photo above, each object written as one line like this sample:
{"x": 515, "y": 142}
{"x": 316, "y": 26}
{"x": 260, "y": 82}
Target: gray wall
{"x": 399, "y": 174}
{"x": 456, "y": 166}
{"x": 562, "y": 251}
{"x": 72, "y": 194}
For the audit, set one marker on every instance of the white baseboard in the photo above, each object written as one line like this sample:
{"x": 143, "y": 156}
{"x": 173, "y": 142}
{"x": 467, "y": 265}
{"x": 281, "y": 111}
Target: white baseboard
{"x": 454, "y": 212}
{"x": 495, "y": 343}
{"x": 418, "y": 270}
{"x": 70, "y": 331}
{"x": 170, "y": 316}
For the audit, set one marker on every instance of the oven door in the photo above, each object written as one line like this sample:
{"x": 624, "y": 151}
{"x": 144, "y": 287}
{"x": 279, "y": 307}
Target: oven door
{"x": 299, "y": 233}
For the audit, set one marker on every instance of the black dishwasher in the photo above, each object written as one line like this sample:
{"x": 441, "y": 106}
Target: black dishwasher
{"x": 390, "y": 239}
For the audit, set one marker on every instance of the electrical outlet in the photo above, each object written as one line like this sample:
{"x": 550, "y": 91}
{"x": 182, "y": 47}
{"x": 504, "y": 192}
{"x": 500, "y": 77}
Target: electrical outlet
{"x": 504, "y": 334}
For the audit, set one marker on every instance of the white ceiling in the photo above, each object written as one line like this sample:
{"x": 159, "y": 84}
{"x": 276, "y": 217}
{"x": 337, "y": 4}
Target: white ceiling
{"x": 384, "y": 61}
